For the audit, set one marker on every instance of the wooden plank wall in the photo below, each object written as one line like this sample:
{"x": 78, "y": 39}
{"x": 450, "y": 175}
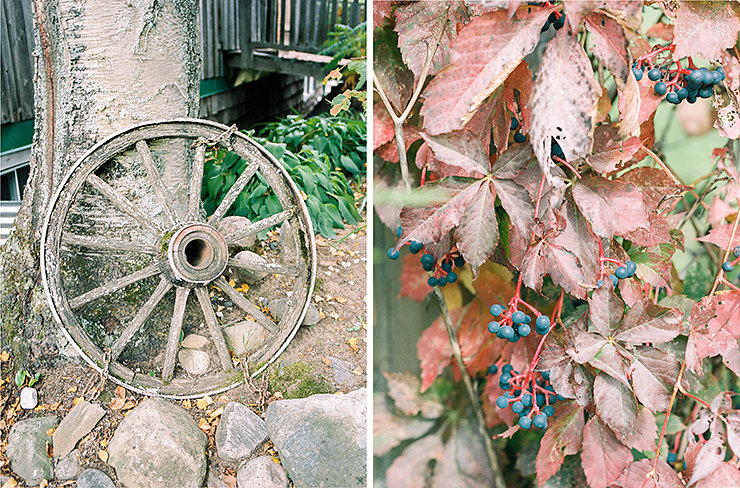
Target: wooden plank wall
{"x": 17, "y": 62}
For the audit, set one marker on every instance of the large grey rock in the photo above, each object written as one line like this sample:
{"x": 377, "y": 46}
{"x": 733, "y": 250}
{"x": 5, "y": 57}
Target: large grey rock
{"x": 245, "y": 275}
{"x": 194, "y": 341}
{"x": 29, "y": 398}
{"x": 280, "y": 307}
{"x": 158, "y": 445}
{"x": 27, "y": 449}
{"x": 321, "y": 439}
{"x": 261, "y": 472}
{"x": 78, "y": 423}
{"x": 245, "y": 337}
{"x": 193, "y": 361}
{"x": 239, "y": 434}
{"x": 68, "y": 467}
{"x": 94, "y": 478}
{"x": 231, "y": 224}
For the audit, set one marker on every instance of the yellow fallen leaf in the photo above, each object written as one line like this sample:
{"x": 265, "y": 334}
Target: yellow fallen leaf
{"x": 78, "y": 400}
{"x": 186, "y": 404}
{"x": 103, "y": 455}
{"x": 357, "y": 371}
{"x": 341, "y": 300}
{"x": 41, "y": 407}
{"x": 50, "y": 432}
{"x": 4, "y": 356}
{"x": 353, "y": 344}
{"x": 326, "y": 361}
{"x": 72, "y": 389}
{"x": 216, "y": 413}
{"x": 43, "y": 484}
{"x": 103, "y": 443}
{"x": 202, "y": 403}
{"x": 318, "y": 298}
{"x": 232, "y": 283}
{"x": 204, "y": 425}
{"x": 129, "y": 405}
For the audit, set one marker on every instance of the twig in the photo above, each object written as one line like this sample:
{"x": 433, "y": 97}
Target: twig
{"x": 665, "y": 167}
{"x": 498, "y": 478}
{"x": 721, "y": 273}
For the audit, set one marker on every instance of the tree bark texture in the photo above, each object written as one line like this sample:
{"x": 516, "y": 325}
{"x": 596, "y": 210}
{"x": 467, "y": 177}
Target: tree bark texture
{"x": 100, "y": 66}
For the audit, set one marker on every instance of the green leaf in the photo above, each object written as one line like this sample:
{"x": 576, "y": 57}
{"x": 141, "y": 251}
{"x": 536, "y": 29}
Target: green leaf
{"x": 35, "y": 379}
{"x": 20, "y": 377}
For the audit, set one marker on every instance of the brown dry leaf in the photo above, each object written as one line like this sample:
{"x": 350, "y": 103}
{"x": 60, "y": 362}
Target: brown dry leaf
{"x": 317, "y": 298}
{"x": 357, "y": 371}
{"x": 55, "y": 406}
{"x": 50, "y": 432}
{"x": 72, "y": 389}
{"x": 202, "y": 403}
{"x": 223, "y": 399}
{"x": 353, "y": 344}
{"x": 117, "y": 403}
{"x": 216, "y": 413}
{"x": 4, "y": 356}
{"x": 78, "y": 400}
{"x": 334, "y": 315}
{"x": 11, "y": 483}
{"x": 103, "y": 455}
{"x": 186, "y": 404}
{"x": 326, "y": 361}
{"x": 103, "y": 443}
{"x": 129, "y": 405}
{"x": 229, "y": 480}
{"x": 341, "y": 300}
{"x": 278, "y": 395}
{"x": 204, "y": 425}
{"x": 120, "y": 392}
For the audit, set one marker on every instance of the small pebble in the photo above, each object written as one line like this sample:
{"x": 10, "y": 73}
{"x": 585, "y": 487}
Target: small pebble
{"x": 29, "y": 398}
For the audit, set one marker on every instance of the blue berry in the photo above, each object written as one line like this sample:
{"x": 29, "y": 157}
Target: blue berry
{"x": 441, "y": 281}
{"x": 654, "y": 74}
{"x": 517, "y": 407}
{"x": 502, "y": 402}
{"x": 631, "y": 267}
{"x": 542, "y": 321}
{"x": 415, "y": 247}
{"x": 716, "y": 77}
{"x": 705, "y": 92}
{"x": 508, "y": 368}
{"x": 447, "y": 267}
{"x": 518, "y": 317}
{"x": 559, "y": 23}
{"x": 427, "y": 267}
{"x": 459, "y": 262}
{"x": 621, "y": 272}
{"x": 561, "y": 397}
{"x": 524, "y": 330}
{"x": 546, "y": 375}
{"x": 548, "y": 410}
{"x": 672, "y": 97}
{"x": 671, "y": 458}
{"x": 527, "y": 400}
{"x": 695, "y": 77}
{"x": 492, "y": 369}
{"x": 505, "y": 386}
{"x": 691, "y": 99}
{"x": 599, "y": 283}
{"x": 519, "y": 138}
{"x": 637, "y": 73}
{"x": 660, "y": 88}
{"x": 525, "y": 422}
{"x": 514, "y": 124}
{"x": 493, "y": 327}
{"x": 736, "y": 251}
{"x": 432, "y": 281}
{"x": 515, "y": 339}
{"x": 496, "y": 310}
{"x": 399, "y": 231}
{"x": 506, "y": 332}
{"x": 451, "y": 277}
{"x": 393, "y": 253}
{"x": 540, "y": 399}
{"x": 682, "y": 94}
{"x": 427, "y": 259}
{"x": 527, "y": 319}
{"x": 706, "y": 76}
{"x": 615, "y": 280}
{"x": 540, "y": 421}
{"x": 727, "y": 266}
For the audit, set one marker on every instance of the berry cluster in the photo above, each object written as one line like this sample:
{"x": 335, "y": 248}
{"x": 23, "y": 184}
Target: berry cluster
{"x": 678, "y": 83}
{"x": 533, "y": 404}
{"x": 442, "y": 274}
{"x": 728, "y": 266}
{"x": 621, "y": 273}
{"x": 519, "y": 138}
{"x": 515, "y": 324}
{"x": 556, "y": 19}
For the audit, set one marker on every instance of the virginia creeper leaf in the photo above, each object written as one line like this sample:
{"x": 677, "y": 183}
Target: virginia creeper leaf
{"x": 612, "y": 207}
{"x": 637, "y": 472}
{"x": 477, "y": 235}
{"x": 605, "y": 310}
{"x": 653, "y": 374}
{"x": 705, "y": 28}
{"x": 390, "y": 430}
{"x": 460, "y": 153}
{"x": 615, "y": 405}
{"x": 411, "y": 469}
{"x": 610, "y": 152}
{"x": 603, "y": 457}
{"x": 413, "y": 279}
{"x": 646, "y": 322}
{"x": 561, "y": 439}
{"x": 709, "y": 458}
{"x": 610, "y": 44}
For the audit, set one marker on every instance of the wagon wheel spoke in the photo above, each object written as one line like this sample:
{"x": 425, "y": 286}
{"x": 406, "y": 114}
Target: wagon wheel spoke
{"x": 155, "y": 181}
{"x": 271, "y": 268}
{"x": 246, "y": 305}
{"x": 107, "y": 244}
{"x": 234, "y": 192}
{"x": 123, "y": 204}
{"x": 196, "y": 181}
{"x": 258, "y": 226}
{"x": 140, "y": 317}
{"x": 215, "y": 330}
{"x": 114, "y": 285}
{"x": 181, "y": 300}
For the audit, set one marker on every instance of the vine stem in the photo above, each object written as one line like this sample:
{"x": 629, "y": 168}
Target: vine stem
{"x": 665, "y": 167}
{"x": 721, "y": 274}
{"x": 498, "y": 478}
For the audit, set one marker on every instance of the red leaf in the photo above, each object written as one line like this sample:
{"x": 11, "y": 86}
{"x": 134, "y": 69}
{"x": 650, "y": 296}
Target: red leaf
{"x": 661, "y": 31}
{"x": 381, "y": 10}
{"x": 705, "y": 28}
{"x": 459, "y": 153}
{"x": 615, "y": 405}
{"x": 637, "y": 472}
{"x": 382, "y": 126}
{"x": 464, "y": 463}
{"x": 564, "y": 101}
{"x": 657, "y": 188}
{"x": 733, "y": 432}
{"x": 646, "y": 322}
{"x": 413, "y": 279}
{"x": 610, "y": 44}
{"x": 390, "y": 430}
{"x": 725, "y": 475}
{"x": 603, "y": 457}
{"x": 517, "y": 93}
{"x": 389, "y": 150}
{"x": 606, "y": 310}
{"x": 720, "y": 236}
{"x": 610, "y": 152}
{"x": 561, "y": 439}
{"x": 434, "y": 350}
{"x": 709, "y": 458}
{"x": 482, "y": 56}
{"x": 644, "y": 432}
{"x": 392, "y": 74}
{"x": 637, "y": 102}
{"x": 477, "y": 235}
{"x": 715, "y": 329}
{"x": 653, "y": 374}
{"x": 612, "y": 207}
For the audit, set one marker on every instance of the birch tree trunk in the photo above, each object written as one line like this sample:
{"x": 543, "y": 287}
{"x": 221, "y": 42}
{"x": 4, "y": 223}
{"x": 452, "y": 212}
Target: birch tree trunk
{"x": 100, "y": 66}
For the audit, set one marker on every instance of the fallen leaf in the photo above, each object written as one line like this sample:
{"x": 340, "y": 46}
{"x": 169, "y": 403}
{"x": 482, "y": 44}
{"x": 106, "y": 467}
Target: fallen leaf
{"x": 78, "y": 400}
{"x": 326, "y": 361}
{"x": 278, "y": 395}
{"x": 202, "y": 403}
{"x": 232, "y": 283}
{"x": 129, "y": 405}
{"x": 120, "y": 391}
{"x": 103, "y": 455}
{"x": 11, "y": 483}
{"x": 72, "y": 389}
{"x": 353, "y": 344}
{"x": 117, "y": 403}
{"x": 341, "y": 300}
{"x": 50, "y": 432}
{"x": 43, "y": 484}
{"x": 104, "y": 443}
{"x": 216, "y": 413}
{"x": 186, "y": 404}
{"x": 204, "y": 425}
{"x": 229, "y": 480}
{"x": 4, "y": 356}
{"x": 357, "y": 371}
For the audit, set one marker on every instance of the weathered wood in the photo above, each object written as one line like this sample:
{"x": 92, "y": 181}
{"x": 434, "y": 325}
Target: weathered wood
{"x": 155, "y": 180}
{"x": 258, "y": 226}
{"x": 216, "y": 333}
{"x": 271, "y": 268}
{"x": 247, "y": 306}
{"x": 173, "y": 337}
{"x": 233, "y": 193}
{"x": 107, "y": 244}
{"x": 196, "y": 181}
{"x": 140, "y": 317}
{"x": 114, "y": 285}
{"x": 123, "y": 204}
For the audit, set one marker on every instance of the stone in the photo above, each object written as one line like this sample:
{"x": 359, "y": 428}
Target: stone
{"x": 194, "y": 341}
{"x": 194, "y": 361}
{"x": 29, "y": 398}
{"x": 27, "y": 452}
{"x": 245, "y": 337}
{"x": 240, "y": 433}
{"x": 158, "y": 445}
{"x": 214, "y": 481}
{"x": 76, "y": 424}
{"x": 261, "y": 472}
{"x": 321, "y": 439}
{"x": 247, "y": 275}
{"x": 342, "y": 372}
{"x": 94, "y": 478}
{"x": 280, "y": 307}
{"x": 68, "y": 467}
{"x": 231, "y": 224}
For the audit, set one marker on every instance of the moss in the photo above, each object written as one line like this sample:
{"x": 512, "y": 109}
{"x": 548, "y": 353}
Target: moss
{"x": 297, "y": 380}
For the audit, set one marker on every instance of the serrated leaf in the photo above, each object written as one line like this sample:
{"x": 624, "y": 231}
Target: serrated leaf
{"x": 605, "y": 310}
{"x": 705, "y": 28}
{"x": 709, "y": 458}
{"x": 517, "y": 203}
{"x": 603, "y": 457}
{"x": 637, "y": 472}
{"x": 637, "y": 102}
{"x": 390, "y": 430}
{"x": 561, "y": 438}
{"x": 644, "y": 432}
{"x": 610, "y": 44}
{"x": 481, "y": 58}
{"x": 464, "y": 463}
{"x": 413, "y": 279}
{"x": 720, "y": 236}
{"x": 615, "y": 404}
{"x": 653, "y": 374}
{"x": 459, "y": 153}
{"x": 646, "y": 322}
{"x": 733, "y": 432}
{"x": 564, "y": 102}
{"x": 411, "y": 468}
{"x": 610, "y": 151}
{"x": 477, "y": 235}
{"x": 715, "y": 329}
{"x": 392, "y": 74}
{"x": 612, "y": 207}
{"x": 724, "y": 475}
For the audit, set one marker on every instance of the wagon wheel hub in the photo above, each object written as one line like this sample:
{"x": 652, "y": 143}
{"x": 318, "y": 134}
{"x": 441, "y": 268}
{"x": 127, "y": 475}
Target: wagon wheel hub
{"x": 197, "y": 253}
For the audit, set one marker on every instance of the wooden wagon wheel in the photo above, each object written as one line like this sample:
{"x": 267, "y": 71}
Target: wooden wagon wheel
{"x": 131, "y": 261}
